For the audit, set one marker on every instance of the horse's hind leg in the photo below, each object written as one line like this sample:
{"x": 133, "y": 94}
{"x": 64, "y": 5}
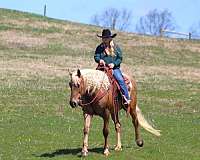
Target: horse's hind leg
{"x": 87, "y": 122}
{"x": 135, "y": 122}
{"x": 115, "y": 119}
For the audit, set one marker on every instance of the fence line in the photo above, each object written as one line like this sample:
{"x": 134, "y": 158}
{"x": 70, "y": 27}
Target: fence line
{"x": 195, "y": 36}
{"x": 162, "y": 31}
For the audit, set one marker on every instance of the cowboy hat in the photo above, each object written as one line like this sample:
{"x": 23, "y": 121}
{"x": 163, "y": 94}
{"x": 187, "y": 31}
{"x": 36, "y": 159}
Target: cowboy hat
{"x": 106, "y": 33}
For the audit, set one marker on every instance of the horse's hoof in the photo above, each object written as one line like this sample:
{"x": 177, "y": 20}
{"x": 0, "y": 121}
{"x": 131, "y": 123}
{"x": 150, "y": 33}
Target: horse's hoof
{"x": 140, "y": 142}
{"x": 84, "y": 153}
{"x": 118, "y": 148}
{"x": 106, "y": 152}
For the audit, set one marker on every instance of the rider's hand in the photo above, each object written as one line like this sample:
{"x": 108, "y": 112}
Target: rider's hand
{"x": 102, "y": 62}
{"x": 111, "y": 65}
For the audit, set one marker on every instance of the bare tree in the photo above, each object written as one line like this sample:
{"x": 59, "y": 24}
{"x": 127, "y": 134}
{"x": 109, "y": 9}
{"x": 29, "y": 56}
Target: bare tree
{"x": 125, "y": 17}
{"x": 96, "y": 20}
{"x": 155, "y": 21}
{"x": 109, "y": 18}
{"x": 113, "y": 18}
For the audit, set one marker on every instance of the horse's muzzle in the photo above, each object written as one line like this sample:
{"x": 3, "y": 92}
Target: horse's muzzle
{"x": 73, "y": 104}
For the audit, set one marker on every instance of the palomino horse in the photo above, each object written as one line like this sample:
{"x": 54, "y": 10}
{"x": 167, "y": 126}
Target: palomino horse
{"x": 90, "y": 89}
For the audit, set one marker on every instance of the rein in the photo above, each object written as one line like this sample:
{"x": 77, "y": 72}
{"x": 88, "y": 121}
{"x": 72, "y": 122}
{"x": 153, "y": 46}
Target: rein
{"x": 96, "y": 98}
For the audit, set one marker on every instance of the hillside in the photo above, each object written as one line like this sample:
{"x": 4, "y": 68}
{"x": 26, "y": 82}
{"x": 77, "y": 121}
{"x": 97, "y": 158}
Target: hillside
{"x": 45, "y": 37}
{"x": 37, "y": 122}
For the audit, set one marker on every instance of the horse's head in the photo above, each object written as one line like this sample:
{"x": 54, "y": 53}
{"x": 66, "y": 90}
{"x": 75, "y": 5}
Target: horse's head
{"x": 76, "y": 85}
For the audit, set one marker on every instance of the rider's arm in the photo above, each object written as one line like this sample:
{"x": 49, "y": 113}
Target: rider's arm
{"x": 97, "y": 55}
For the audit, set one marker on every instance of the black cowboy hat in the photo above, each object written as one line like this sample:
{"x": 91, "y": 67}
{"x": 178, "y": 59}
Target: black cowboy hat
{"x": 106, "y": 33}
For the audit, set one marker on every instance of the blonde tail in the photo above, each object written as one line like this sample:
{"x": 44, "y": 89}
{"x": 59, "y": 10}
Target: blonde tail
{"x": 145, "y": 124}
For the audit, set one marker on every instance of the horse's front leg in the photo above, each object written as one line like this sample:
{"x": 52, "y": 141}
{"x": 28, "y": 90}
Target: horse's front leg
{"x": 106, "y": 131}
{"x": 87, "y": 122}
{"x": 115, "y": 119}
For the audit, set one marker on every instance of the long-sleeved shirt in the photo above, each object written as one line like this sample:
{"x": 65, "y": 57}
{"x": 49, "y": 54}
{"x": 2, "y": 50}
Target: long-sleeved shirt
{"x": 101, "y": 54}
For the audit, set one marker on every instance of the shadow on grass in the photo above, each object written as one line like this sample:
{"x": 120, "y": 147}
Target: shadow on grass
{"x": 72, "y": 151}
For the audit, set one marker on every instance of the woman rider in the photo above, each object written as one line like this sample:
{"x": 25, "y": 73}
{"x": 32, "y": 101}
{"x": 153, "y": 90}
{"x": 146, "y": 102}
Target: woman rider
{"x": 109, "y": 54}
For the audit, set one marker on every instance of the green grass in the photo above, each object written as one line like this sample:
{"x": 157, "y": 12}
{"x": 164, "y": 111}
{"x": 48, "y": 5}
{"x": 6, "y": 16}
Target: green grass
{"x": 33, "y": 127}
{"x": 36, "y": 121}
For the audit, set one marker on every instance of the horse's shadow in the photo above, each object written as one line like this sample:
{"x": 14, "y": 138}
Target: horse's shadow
{"x": 67, "y": 151}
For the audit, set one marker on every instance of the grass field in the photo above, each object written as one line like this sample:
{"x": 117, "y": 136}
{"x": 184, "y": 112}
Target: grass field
{"x": 36, "y": 121}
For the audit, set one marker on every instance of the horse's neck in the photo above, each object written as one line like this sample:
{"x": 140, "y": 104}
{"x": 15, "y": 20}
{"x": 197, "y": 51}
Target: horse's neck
{"x": 96, "y": 81}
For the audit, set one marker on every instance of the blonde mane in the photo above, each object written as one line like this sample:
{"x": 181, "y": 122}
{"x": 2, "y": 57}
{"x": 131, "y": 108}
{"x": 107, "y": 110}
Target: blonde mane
{"x": 93, "y": 79}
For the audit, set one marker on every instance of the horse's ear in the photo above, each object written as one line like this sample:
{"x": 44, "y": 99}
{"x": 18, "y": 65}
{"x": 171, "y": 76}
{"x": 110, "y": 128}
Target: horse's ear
{"x": 79, "y": 73}
{"x": 70, "y": 73}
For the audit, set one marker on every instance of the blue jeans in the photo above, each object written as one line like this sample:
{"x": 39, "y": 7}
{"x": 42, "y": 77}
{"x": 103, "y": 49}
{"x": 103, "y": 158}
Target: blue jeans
{"x": 118, "y": 76}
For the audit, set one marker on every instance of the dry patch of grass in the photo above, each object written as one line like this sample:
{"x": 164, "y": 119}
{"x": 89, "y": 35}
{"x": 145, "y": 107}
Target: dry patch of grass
{"x": 14, "y": 39}
{"x": 184, "y": 73}
{"x": 134, "y": 40}
{"x": 31, "y": 23}
{"x": 51, "y": 67}
{"x": 24, "y": 68}
{"x": 57, "y": 66}
{"x": 68, "y": 27}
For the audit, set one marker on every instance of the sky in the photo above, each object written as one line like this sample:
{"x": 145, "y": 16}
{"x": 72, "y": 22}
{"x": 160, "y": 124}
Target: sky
{"x": 185, "y": 12}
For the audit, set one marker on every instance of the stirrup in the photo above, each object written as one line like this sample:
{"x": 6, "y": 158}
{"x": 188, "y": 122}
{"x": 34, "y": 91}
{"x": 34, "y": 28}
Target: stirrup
{"x": 127, "y": 102}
